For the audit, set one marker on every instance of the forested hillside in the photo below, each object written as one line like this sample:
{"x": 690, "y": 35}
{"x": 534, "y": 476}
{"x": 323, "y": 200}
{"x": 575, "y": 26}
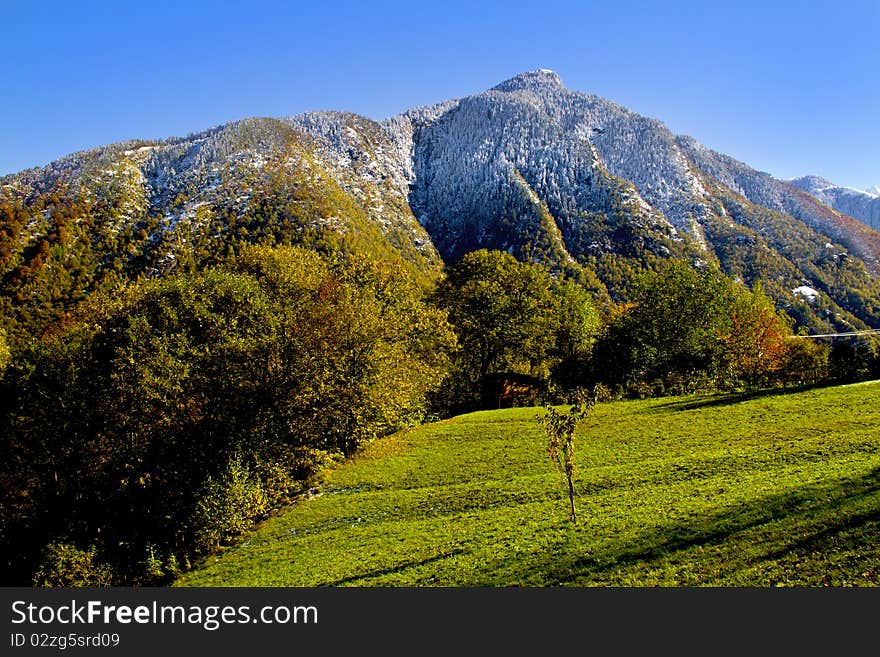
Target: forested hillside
{"x": 195, "y": 330}
{"x": 573, "y": 181}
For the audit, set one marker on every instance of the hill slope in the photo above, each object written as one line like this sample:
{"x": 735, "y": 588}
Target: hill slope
{"x": 864, "y": 206}
{"x": 773, "y": 490}
{"x": 562, "y": 177}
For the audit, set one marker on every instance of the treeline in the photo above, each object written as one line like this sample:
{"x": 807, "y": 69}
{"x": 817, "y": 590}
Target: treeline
{"x": 166, "y": 418}
{"x": 525, "y": 336}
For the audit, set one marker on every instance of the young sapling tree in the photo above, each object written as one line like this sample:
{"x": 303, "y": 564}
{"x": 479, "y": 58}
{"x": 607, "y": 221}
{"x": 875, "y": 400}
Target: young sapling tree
{"x": 560, "y": 428}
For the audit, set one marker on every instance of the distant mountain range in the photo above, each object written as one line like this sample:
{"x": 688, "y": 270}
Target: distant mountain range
{"x": 863, "y": 205}
{"x": 565, "y": 178}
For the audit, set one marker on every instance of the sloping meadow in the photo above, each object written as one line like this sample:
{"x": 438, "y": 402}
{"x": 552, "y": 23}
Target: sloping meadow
{"x": 757, "y": 490}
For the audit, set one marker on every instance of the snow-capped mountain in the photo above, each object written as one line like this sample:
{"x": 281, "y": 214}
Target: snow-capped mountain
{"x": 517, "y": 163}
{"x": 863, "y": 205}
{"x": 563, "y": 177}
{"x": 512, "y": 167}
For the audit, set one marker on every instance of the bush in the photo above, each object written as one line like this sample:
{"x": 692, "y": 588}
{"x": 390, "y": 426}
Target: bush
{"x": 512, "y": 319}
{"x": 228, "y": 506}
{"x": 64, "y": 564}
{"x": 685, "y": 329}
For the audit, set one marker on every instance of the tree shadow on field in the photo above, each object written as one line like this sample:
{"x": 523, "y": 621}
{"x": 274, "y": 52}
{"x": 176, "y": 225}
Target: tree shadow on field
{"x": 727, "y": 399}
{"x": 824, "y": 511}
{"x": 364, "y": 576}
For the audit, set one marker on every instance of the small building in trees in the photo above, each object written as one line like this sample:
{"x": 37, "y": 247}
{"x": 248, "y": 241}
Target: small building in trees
{"x": 509, "y": 389}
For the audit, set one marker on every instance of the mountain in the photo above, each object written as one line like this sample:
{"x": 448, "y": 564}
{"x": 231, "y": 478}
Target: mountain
{"x": 96, "y": 219}
{"x": 531, "y": 156}
{"x": 569, "y": 179}
{"x": 863, "y": 205}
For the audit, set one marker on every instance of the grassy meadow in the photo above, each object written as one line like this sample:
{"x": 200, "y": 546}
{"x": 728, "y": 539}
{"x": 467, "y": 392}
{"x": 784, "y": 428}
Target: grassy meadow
{"x": 730, "y": 490}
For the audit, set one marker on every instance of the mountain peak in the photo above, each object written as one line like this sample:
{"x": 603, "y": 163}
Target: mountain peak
{"x": 541, "y": 79}
{"x": 811, "y": 183}
{"x": 819, "y": 186}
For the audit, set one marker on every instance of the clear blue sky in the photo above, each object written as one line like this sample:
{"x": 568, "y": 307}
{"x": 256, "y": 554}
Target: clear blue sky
{"x": 788, "y": 87}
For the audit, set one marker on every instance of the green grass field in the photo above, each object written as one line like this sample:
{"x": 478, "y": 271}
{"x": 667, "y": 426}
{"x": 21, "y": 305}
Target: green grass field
{"x": 772, "y": 490}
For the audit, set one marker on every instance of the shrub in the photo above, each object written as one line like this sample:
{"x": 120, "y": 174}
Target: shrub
{"x": 853, "y": 360}
{"x": 64, "y": 564}
{"x": 228, "y": 506}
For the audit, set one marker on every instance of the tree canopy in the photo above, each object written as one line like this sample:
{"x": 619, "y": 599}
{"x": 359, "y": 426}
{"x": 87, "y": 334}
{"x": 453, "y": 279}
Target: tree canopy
{"x": 684, "y": 323}
{"x": 511, "y": 317}
{"x": 175, "y": 414}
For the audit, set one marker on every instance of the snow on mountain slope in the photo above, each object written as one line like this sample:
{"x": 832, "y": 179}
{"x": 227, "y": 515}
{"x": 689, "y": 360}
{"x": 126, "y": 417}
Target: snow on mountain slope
{"x": 369, "y": 164}
{"x": 192, "y": 186}
{"x": 864, "y": 206}
{"x": 503, "y": 169}
{"x": 560, "y": 176}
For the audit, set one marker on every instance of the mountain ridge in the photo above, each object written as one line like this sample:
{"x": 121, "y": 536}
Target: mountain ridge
{"x": 575, "y": 181}
{"x": 860, "y": 204}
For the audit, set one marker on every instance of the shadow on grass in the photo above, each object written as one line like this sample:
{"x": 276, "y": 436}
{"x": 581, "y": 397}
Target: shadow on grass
{"x": 390, "y": 571}
{"x": 820, "y": 523}
{"x": 730, "y": 398}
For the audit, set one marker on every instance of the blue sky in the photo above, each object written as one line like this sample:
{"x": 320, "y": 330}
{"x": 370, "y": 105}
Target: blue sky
{"x": 788, "y": 87}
